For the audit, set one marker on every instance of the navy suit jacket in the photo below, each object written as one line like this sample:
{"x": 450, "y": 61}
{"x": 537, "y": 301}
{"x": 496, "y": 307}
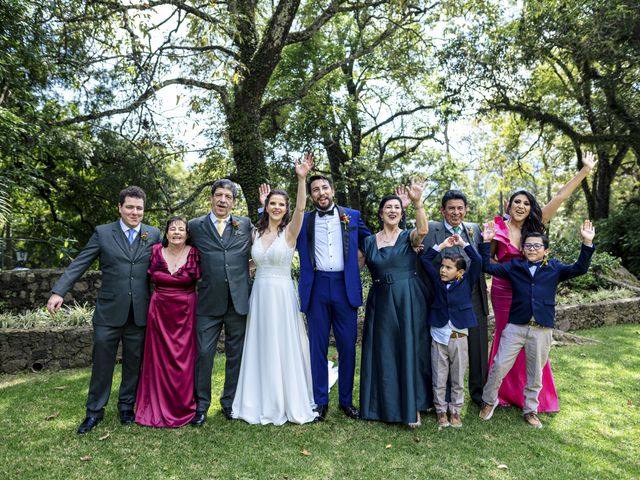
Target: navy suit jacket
{"x": 454, "y": 303}
{"x": 535, "y": 296}
{"x": 353, "y": 234}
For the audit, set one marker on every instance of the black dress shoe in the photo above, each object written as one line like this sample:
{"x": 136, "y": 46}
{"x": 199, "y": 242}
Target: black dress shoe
{"x": 198, "y": 419}
{"x": 88, "y": 424}
{"x": 322, "y": 412}
{"x": 350, "y": 411}
{"x": 127, "y": 417}
{"x": 227, "y": 412}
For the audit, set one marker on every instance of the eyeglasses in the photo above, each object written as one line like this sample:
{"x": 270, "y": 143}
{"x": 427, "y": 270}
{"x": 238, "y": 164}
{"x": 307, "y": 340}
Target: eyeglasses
{"x": 533, "y": 246}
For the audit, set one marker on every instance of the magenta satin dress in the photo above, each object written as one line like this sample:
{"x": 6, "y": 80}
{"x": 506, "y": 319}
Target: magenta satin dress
{"x": 512, "y": 389}
{"x": 165, "y": 395}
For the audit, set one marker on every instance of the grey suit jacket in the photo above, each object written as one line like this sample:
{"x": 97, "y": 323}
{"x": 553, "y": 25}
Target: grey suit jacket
{"x": 471, "y": 234}
{"x": 224, "y": 263}
{"x": 124, "y": 273}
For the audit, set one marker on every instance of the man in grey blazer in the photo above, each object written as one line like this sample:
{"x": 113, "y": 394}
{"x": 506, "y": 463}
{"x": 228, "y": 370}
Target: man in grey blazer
{"x": 123, "y": 248}
{"x": 224, "y": 243}
{"x": 453, "y": 210}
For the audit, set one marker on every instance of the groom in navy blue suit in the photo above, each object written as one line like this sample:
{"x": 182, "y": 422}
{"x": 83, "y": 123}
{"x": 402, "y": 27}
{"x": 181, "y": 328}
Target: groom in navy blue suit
{"x": 330, "y": 289}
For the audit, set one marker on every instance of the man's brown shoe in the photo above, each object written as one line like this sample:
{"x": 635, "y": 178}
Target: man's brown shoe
{"x": 486, "y": 412}
{"x": 455, "y": 420}
{"x": 532, "y": 420}
{"x": 443, "y": 421}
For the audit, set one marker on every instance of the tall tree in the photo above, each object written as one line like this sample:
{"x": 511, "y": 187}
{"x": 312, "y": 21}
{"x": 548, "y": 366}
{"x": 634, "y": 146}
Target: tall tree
{"x": 226, "y": 51}
{"x": 569, "y": 65}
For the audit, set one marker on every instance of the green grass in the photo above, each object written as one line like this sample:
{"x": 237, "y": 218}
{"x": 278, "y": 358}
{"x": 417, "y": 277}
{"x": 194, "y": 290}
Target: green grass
{"x": 596, "y": 434}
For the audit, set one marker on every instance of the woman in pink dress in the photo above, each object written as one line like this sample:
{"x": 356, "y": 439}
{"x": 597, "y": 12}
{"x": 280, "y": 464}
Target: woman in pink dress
{"x": 165, "y": 395}
{"x": 525, "y": 215}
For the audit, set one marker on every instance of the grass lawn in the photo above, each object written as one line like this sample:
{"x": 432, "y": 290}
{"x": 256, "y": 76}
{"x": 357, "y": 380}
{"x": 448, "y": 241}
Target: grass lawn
{"x": 596, "y": 434}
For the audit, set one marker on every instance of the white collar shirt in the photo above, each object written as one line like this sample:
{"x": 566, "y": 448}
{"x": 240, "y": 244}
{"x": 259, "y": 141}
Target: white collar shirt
{"x": 328, "y": 243}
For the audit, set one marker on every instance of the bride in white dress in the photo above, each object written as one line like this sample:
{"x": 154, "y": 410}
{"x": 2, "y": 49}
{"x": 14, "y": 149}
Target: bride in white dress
{"x": 274, "y": 385}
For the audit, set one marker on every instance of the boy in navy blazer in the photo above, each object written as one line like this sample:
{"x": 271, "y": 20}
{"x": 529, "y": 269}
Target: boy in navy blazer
{"x": 450, "y": 317}
{"x": 534, "y": 283}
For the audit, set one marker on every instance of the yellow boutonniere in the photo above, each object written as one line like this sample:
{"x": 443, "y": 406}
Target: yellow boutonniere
{"x": 345, "y": 219}
{"x": 144, "y": 236}
{"x": 470, "y": 232}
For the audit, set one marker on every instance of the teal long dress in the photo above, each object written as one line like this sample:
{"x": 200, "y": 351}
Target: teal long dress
{"x": 395, "y": 375}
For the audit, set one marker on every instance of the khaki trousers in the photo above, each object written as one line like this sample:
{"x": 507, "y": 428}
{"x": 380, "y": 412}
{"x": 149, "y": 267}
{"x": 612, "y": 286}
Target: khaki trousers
{"x": 536, "y": 342}
{"x": 449, "y": 361}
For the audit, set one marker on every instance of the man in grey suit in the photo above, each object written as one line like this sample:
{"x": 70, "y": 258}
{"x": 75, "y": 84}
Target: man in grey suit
{"x": 123, "y": 248}
{"x": 454, "y": 208}
{"x": 224, "y": 243}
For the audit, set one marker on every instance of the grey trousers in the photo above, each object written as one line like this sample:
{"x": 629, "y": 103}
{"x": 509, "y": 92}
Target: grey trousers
{"x": 536, "y": 342}
{"x": 105, "y": 346}
{"x": 449, "y": 361}
{"x": 208, "y": 332}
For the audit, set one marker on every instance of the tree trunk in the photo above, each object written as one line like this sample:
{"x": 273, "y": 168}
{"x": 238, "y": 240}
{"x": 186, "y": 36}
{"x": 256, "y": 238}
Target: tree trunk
{"x": 248, "y": 151}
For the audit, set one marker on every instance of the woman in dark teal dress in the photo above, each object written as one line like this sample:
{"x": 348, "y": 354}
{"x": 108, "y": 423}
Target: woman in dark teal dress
{"x": 395, "y": 375}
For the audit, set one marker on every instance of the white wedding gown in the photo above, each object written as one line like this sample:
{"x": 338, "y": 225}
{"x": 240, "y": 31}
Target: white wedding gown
{"x": 274, "y": 385}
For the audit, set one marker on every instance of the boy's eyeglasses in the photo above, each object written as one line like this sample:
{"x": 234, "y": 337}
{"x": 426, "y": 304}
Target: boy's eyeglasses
{"x": 533, "y": 246}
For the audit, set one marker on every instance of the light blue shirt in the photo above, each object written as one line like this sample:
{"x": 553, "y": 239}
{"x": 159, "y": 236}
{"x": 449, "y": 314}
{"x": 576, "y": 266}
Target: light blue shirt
{"x": 125, "y": 230}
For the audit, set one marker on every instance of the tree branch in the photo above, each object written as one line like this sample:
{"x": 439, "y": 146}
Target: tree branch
{"x": 146, "y": 95}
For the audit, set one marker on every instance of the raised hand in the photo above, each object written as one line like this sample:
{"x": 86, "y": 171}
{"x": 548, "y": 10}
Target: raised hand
{"x": 415, "y": 190}
{"x": 489, "y": 231}
{"x": 457, "y": 240}
{"x": 263, "y": 191}
{"x": 588, "y": 231}
{"x": 448, "y": 242}
{"x": 305, "y": 165}
{"x": 404, "y": 198}
{"x": 589, "y": 160}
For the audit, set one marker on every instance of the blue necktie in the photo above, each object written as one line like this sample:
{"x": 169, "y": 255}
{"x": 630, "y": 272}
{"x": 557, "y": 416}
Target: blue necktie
{"x": 131, "y": 235}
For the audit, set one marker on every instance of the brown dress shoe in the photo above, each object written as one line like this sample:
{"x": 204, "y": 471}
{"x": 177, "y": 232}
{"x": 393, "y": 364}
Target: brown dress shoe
{"x": 532, "y": 420}
{"x": 487, "y": 411}
{"x": 456, "y": 422}
{"x": 443, "y": 421}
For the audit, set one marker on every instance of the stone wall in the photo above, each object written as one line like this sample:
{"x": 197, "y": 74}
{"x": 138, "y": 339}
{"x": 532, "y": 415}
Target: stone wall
{"x": 45, "y": 348}
{"x": 22, "y": 290}
{"x": 70, "y": 347}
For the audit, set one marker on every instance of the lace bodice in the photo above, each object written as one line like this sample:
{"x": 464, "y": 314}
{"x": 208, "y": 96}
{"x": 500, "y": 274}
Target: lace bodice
{"x": 275, "y": 260}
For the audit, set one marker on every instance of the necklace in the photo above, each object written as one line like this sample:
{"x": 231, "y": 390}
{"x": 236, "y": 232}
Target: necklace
{"x": 392, "y": 239}
{"x": 175, "y": 259}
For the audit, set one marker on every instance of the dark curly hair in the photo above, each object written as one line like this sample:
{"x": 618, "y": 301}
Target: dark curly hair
{"x": 263, "y": 221}
{"x": 533, "y": 223}
{"x": 165, "y": 240}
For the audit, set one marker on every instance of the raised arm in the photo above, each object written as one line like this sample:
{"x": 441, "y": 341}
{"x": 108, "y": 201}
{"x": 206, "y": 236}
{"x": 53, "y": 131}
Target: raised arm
{"x": 550, "y": 209}
{"x": 499, "y": 270}
{"x": 414, "y": 192}
{"x": 588, "y": 231}
{"x": 302, "y": 170}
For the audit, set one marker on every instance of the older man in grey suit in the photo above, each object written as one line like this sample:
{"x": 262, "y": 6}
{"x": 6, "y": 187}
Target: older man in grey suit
{"x": 454, "y": 208}
{"x": 224, "y": 242}
{"x": 123, "y": 248}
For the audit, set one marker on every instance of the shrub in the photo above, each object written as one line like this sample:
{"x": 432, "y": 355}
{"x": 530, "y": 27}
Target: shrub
{"x": 68, "y": 316}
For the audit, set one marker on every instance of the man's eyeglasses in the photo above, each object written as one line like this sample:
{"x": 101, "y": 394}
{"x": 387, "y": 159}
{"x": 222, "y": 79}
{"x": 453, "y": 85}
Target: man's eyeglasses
{"x": 533, "y": 246}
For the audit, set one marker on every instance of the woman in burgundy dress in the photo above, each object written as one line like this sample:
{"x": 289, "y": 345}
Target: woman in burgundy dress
{"x": 166, "y": 391}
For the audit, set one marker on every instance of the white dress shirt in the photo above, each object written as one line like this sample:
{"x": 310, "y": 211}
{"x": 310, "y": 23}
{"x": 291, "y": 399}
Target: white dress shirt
{"x": 328, "y": 243}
